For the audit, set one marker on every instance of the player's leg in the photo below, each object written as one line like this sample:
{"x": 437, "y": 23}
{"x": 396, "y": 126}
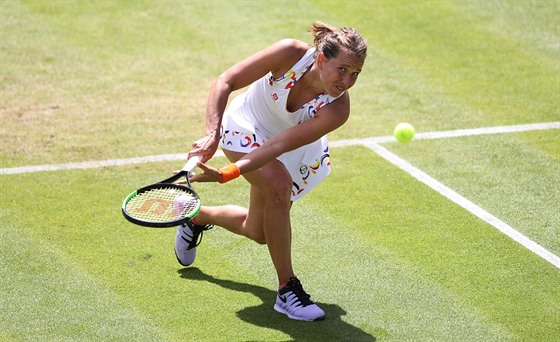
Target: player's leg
{"x": 243, "y": 221}
{"x": 267, "y": 220}
{"x": 275, "y": 184}
{"x": 269, "y": 214}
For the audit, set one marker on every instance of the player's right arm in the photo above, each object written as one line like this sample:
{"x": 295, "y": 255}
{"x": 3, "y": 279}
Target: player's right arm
{"x": 277, "y": 58}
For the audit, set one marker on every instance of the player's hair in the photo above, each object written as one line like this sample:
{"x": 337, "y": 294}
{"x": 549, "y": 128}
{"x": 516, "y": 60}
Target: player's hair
{"x": 330, "y": 40}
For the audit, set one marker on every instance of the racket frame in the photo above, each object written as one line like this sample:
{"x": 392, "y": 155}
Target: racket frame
{"x": 189, "y": 166}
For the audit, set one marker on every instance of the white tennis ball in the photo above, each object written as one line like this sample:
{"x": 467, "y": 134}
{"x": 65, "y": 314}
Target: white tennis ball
{"x": 404, "y": 132}
{"x": 179, "y": 203}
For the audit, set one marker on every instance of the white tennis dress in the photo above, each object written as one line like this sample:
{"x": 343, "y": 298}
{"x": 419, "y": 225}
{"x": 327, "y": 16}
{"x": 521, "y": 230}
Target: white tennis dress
{"x": 261, "y": 113}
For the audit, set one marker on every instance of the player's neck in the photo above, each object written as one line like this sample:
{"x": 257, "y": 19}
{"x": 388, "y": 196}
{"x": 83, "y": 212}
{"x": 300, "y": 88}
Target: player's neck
{"x": 311, "y": 81}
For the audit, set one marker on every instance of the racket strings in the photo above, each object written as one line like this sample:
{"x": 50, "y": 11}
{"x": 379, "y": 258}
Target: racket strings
{"x": 163, "y": 204}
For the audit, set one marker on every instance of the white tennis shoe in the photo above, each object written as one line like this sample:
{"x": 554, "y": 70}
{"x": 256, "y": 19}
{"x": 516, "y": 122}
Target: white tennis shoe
{"x": 294, "y": 302}
{"x": 188, "y": 236}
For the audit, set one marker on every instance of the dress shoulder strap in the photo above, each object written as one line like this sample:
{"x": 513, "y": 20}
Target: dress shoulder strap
{"x": 297, "y": 70}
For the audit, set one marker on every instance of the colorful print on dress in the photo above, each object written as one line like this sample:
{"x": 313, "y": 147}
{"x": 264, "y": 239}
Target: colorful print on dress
{"x": 311, "y": 170}
{"x": 291, "y": 75}
{"x": 313, "y": 107}
{"x": 294, "y": 78}
{"x": 249, "y": 140}
{"x": 237, "y": 138}
{"x": 296, "y": 190}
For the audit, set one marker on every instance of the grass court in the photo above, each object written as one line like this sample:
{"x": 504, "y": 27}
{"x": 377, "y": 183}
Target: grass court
{"x": 452, "y": 237}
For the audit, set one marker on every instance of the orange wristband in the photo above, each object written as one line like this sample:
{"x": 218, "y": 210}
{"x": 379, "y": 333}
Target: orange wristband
{"x": 229, "y": 172}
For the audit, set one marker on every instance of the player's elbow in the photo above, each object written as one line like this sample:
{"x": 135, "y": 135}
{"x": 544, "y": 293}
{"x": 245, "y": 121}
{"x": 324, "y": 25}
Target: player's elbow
{"x": 223, "y": 84}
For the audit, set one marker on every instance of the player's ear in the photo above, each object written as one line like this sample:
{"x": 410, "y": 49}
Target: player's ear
{"x": 320, "y": 60}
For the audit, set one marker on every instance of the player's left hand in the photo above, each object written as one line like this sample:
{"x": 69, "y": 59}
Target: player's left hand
{"x": 208, "y": 174}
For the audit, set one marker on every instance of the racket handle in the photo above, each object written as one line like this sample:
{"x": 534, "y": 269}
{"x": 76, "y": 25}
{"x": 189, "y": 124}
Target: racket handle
{"x": 191, "y": 163}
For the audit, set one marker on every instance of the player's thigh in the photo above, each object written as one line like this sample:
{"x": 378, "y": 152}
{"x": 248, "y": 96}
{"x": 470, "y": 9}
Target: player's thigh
{"x": 271, "y": 186}
{"x": 273, "y": 180}
{"x": 255, "y": 221}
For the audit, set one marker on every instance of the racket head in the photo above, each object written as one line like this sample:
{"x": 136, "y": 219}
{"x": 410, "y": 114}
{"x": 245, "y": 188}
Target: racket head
{"x": 161, "y": 205}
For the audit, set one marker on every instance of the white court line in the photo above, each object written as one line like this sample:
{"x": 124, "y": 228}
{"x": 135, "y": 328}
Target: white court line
{"x": 452, "y": 134}
{"x": 97, "y": 164}
{"x": 373, "y": 144}
{"x": 339, "y": 143}
{"x": 466, "y": 204}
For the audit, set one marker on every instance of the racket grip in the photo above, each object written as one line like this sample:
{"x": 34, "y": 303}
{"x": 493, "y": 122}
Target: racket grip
{"x": 191, "y": 163}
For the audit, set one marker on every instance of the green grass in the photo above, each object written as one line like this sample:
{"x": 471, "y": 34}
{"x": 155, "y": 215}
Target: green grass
{"x": 512, "y": 170}
{"x": 472, "y": 260}
{"x": 387, "y": 257}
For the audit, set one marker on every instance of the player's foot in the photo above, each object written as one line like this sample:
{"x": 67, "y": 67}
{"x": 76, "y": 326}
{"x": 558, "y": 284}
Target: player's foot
{"x": 293, "y": 301}
{"x": 188, "y": 236}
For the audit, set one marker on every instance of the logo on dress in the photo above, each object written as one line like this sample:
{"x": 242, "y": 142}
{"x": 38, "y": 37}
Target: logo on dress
{"x": 275, "y": 97}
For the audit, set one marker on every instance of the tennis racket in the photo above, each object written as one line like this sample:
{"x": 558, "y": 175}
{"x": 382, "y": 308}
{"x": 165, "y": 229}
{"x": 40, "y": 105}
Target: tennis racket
{"x": 164, "y": 204}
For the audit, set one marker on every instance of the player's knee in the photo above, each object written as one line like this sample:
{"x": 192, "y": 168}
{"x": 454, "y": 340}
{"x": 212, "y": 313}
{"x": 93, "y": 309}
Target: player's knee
{"x": 254, "y": 230}
{"x": 260, "y": 239}
{"x": 277, "y": 191}
{"x": 275, "y": 175}
{"x": 256, "y": 234}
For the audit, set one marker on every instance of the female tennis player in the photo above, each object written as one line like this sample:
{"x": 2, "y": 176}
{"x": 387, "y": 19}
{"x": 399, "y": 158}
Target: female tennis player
{"x": 274, "y": 135}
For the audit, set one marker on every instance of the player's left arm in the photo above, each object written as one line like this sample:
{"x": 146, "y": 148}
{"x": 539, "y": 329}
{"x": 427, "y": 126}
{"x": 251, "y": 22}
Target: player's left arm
{"x": 326, "y": 120}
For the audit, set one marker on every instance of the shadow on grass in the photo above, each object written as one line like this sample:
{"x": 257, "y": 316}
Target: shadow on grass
{"x": 333, "y": 328}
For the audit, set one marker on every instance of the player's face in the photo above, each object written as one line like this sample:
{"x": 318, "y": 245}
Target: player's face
{"x": 339, "y": 74}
